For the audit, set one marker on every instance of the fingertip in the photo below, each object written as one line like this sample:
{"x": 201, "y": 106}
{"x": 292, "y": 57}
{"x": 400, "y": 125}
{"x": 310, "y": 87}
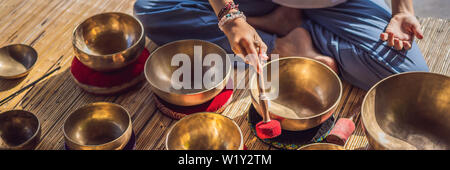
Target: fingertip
{"x": 407, "y": 45}
{"x": 419, "y": 36}
{"x": 398, "y": 44}
{"x": 417, "y": 31}
{"x": 391, "y": 39}
{"x": 383, "y": 36}
{"x": 264, "y": 48}
{"x": 264, "y": 56}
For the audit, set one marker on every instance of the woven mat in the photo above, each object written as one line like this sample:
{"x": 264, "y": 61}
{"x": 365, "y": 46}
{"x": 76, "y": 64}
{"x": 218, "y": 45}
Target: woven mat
{"x": 44, "y": 22}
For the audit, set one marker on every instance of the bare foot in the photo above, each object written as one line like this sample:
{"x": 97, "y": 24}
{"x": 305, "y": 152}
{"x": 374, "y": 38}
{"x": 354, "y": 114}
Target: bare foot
{"x": 298, "y": 43}
{"x": 281, "y": 21}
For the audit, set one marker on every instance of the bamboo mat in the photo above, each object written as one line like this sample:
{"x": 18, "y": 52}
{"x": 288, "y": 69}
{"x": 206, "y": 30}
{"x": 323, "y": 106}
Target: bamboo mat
{"x": 47, "y": 25}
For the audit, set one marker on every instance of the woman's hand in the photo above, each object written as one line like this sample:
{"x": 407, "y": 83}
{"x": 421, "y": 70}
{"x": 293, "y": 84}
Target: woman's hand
{"x": 401, "y": 30}
{"x": 245, "y": 42}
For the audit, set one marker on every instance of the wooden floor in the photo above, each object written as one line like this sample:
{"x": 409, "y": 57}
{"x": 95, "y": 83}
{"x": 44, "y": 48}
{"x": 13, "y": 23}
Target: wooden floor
{"x": 47, "y": 25}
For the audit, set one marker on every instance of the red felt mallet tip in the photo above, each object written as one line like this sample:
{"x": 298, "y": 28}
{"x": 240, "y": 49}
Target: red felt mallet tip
{"x": 267, "y": 130}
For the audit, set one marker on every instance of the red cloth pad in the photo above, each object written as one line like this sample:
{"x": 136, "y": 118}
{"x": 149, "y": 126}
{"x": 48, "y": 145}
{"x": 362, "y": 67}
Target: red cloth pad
{"x": 178, "y": 112}
{"x": 88, "y": 76}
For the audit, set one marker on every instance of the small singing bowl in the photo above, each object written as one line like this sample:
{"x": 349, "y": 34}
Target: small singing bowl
{"x": 162, "y": 71}
{"x": 98, "y": 126}
{"x": 19, "y": 130}
{"x": 205, "y": 131}
{"x": 108, "y": 41}
{"x": 408, "y": 111}
{"x": 307, "y": 93}
{"x": 16, "y": 60}
{"x": 321, "y": 146}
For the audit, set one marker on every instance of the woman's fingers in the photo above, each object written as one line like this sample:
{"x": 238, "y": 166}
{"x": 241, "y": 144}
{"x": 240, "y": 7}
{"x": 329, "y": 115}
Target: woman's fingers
{"x": 398, "y": 45}
{"x": 407, "y": 45}
{"x": 401, "y": 31}
{"x": 391, "y": 39}
{"x": 264, "y": 56}
{"x": 395, "y": 42}
{"x": 251, "y": 53}
{"x": 417, "y": 31}
{"x": 263, "y": 47}
{"x": 384, "y": 36}
{"x": 237, "y": 49}
{"x": 248, "y": 47}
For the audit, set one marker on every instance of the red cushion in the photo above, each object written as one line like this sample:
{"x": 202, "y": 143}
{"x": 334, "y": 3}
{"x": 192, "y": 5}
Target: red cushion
{"x": 211, "y": 106}
{"x": 88, "y": 76}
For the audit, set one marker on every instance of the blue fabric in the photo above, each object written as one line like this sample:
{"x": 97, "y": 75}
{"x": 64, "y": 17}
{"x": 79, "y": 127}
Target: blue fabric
{"x": 348, "y": 32}
{"x": 170, "y": 20}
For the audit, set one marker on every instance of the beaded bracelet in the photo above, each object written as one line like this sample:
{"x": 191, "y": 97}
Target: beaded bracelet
{"x": 228, "y": 7}
{"x": 229, "y": 17}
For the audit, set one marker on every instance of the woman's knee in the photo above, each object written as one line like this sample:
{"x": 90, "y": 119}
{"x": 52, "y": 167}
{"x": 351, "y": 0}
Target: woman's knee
{"x": 141, "y": 6}
{"x": 403, "y": 61}
{"x": 364, "y": 69}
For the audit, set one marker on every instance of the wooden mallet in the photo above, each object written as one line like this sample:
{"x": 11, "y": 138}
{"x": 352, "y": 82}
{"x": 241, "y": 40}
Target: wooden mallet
{"x": 267, "y": 128}
{"x": 343, "y": 128}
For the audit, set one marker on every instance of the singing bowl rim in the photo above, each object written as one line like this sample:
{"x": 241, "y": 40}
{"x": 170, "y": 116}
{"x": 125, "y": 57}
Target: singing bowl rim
{"x": 338, "y": 147}
{"x": 141, "y": 37}
{"x": 224, "y": 81}
{"x": 129, "y": 127}
{"x": 35, "y": 133}
{"x": 35, "y": 59}
{"x": 364, "y": 115}
{"x": 336, "y": 103}
{"x": 241, "y": 145}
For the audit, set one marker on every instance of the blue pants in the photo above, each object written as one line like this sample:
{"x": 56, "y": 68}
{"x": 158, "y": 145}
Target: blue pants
{"x": 348, "y": 32}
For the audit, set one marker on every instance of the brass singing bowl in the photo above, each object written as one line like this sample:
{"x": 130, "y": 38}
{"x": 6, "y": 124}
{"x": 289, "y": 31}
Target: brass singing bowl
{"x": 98, "y": 126}
{"x": 108, "y": 41}
{"x": 159, "y": 72}
{"x": 16, "y": 60}
{"x": 19, "y": 130}
{"x": 321, "y": 146}
{"x": 408, "y": 111}
{"x": 205, "y": 131}
{"x": 308, "y": 92}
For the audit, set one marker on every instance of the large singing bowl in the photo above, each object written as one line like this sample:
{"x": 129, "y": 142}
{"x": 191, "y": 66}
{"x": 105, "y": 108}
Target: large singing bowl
{"x": 205, "y": 131}
{"x": 408, "y": 111}
{"x": 163, "y": 70}
{"x": 98, "y": 126}
{"x": 108, "y": 41}
{"x": 308, "y": 92}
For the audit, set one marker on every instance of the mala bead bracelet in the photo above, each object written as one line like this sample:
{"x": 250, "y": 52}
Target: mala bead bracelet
{"x": 228, "y": 7}
{"x": 229, "y": 17}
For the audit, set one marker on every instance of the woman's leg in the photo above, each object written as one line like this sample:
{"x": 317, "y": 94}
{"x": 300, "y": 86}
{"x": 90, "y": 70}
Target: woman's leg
{"x": 350, "y": 33}
{"x": 170, "y": 20}
{"x": 298, "y": 42}
{"x": 281, "y": 21}
{"x": 294, "y": 40}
